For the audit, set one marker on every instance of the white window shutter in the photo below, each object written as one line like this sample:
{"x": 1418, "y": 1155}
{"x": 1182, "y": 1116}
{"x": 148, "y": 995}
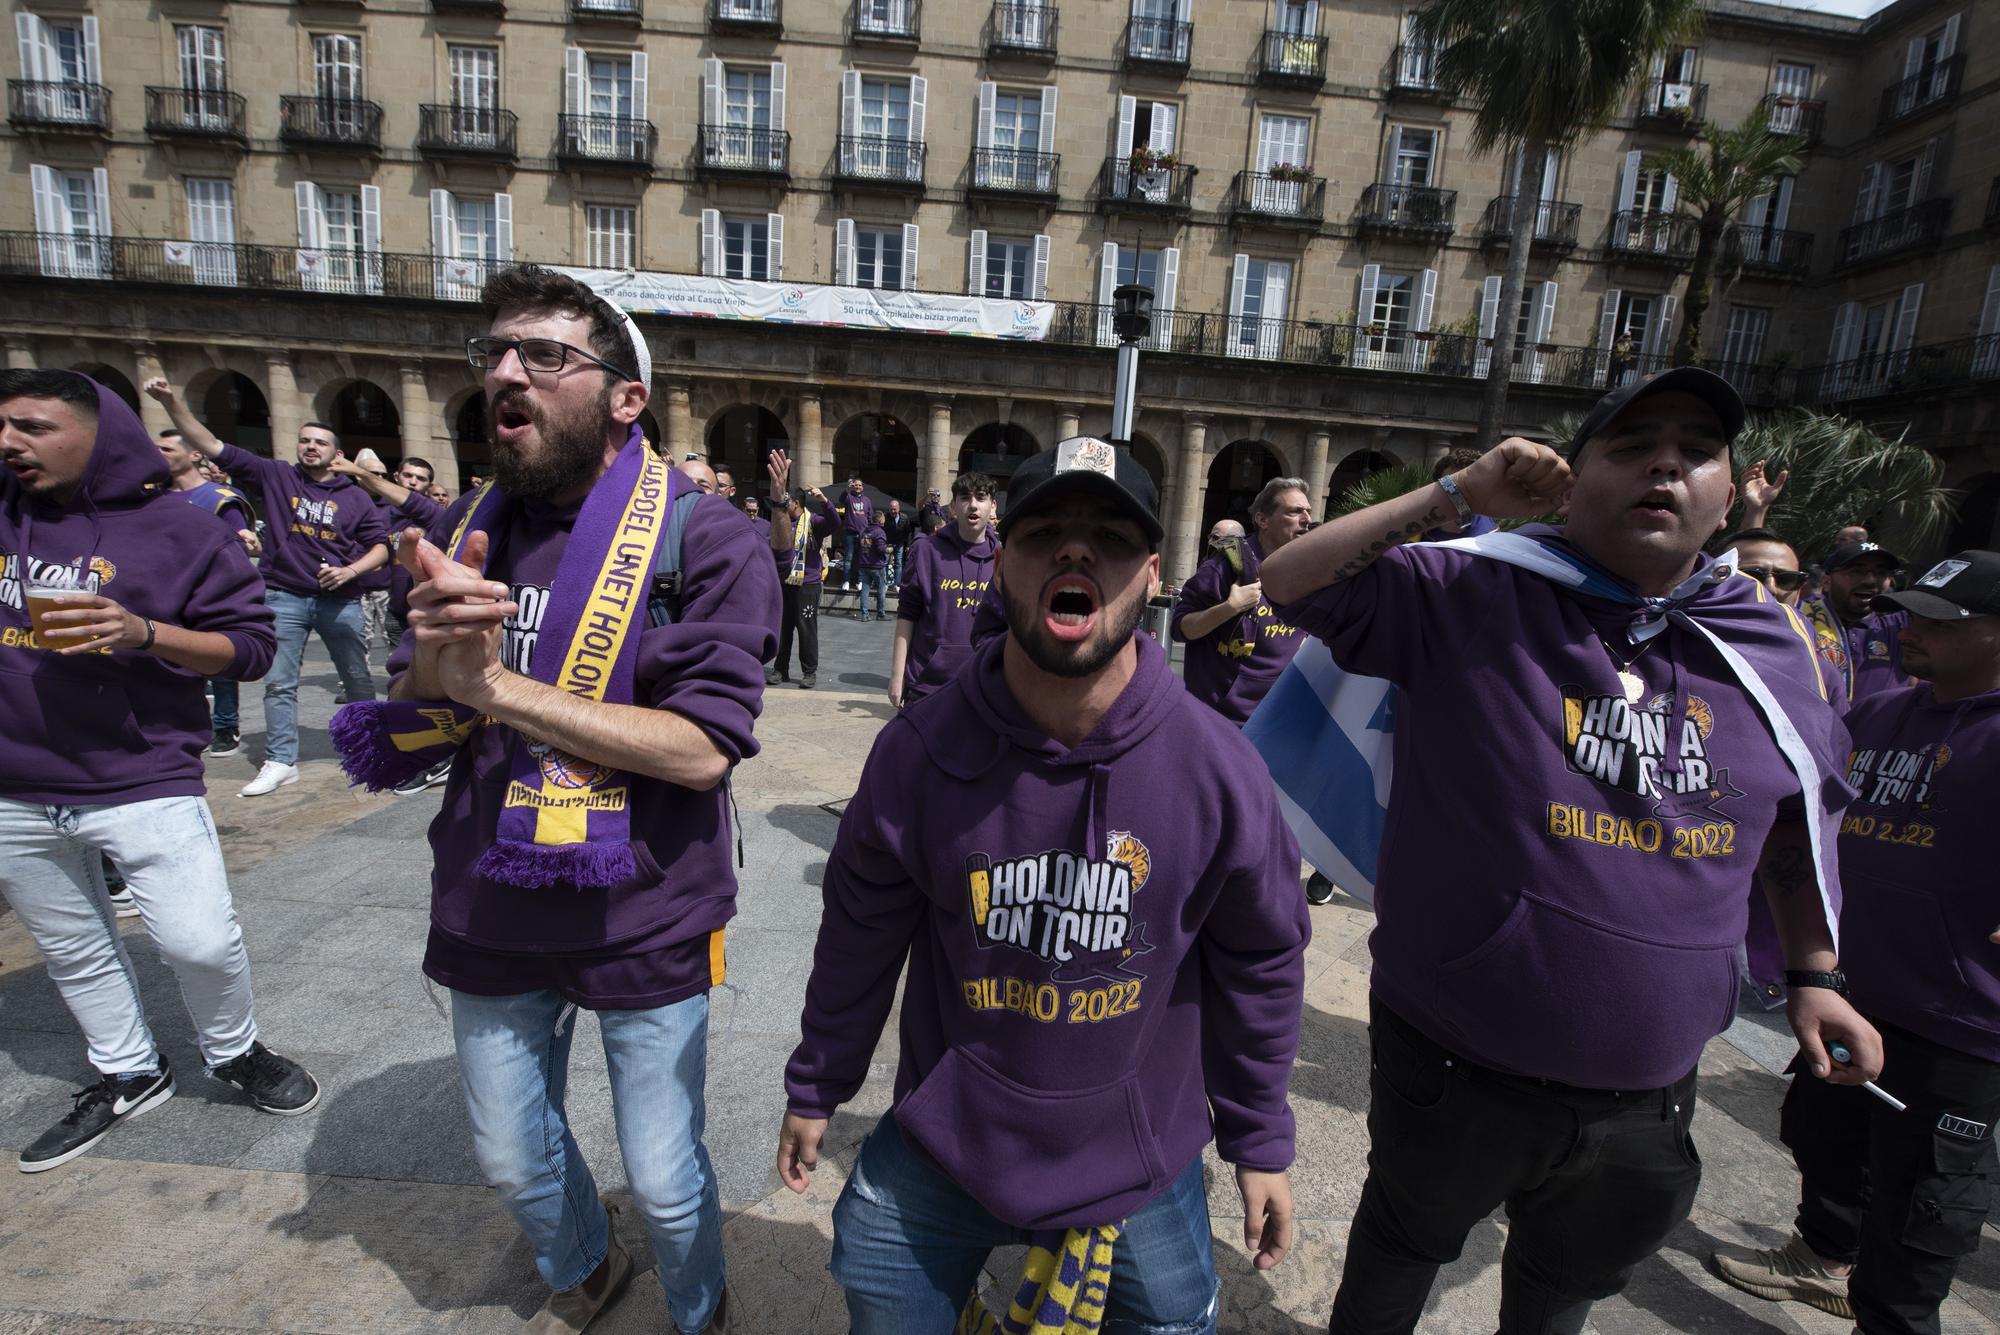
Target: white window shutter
{"x": 1906, "y": 323}
{"x": 93, "y": 71}
{"x": 918, "y": 86}
{"x": 639, "y": 86}
{"x": 27, "y": 31}
{"x": 711, "y": 91}
{"x": 1920, "y": 179}
{"x": 503, "y": 227}
{"x": 1913, "y": 57}
{"x": 1864, "y": 198}
{"x": 1781, "y": 212}
{"x": 1989, "y": 314}
{"x": 1038, "y": 282}
{"x": 1947, "y": 45}
{"x": 1628, "y": 180}
{"x": 48, "y": 207}
{"x": 1364, "y": 300}
{"x": 843, "y": 252}
{"x": 774, "y": 246}
{"x": 1047, "y": 143}
{"x": 1107, "y": 278}
{"x": 1846, "y": 328}
{"x": 1161, "y": 138}
{"x": 575, "y": 83}
{"x": 100, "y": 180}
{"x": 850, "y": 103}
{"x": 975, "y": 263}
{"x": 444, "y": 236}
{"x": 1660, "y": 334}
{"x": 711, "y": 242}
{"x": 1545, "y": 312}
{"x": 307, "y": 199}
{"x": 1239, "y": 282}
{"x": 988, "y": 94}
{"x": 909, "y": 257}
{"x": 777, "y": 95}
{"x": 1170, "y": 280}
{"x": 371, "y": 219}
{"x": 1184, "y": 11}
{"x": 1607, "y": 327}
{"x": 1426, "y": 301}
{"x": 1552, "y": 163}
{"x": 1128, "y": 112}
{"x": 1670, "y": 194}
{"x": 1489, "y": 319}
{"x": 1395, "y": 152}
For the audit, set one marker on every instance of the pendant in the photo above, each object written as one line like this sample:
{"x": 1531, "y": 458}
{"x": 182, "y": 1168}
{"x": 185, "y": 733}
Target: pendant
{"x": 1634, "y": 684}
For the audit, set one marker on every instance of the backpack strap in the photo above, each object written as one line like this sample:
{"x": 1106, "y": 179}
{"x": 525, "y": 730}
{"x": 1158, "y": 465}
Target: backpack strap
{"x": 663, "y": 606}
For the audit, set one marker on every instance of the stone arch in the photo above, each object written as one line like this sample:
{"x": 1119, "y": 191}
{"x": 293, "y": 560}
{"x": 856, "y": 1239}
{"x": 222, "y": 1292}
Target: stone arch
{"x": 1235, "y": 476}
{"x": 364, "y": 416}
{"x": 881, "y": 447}
{"x": 997, "y": 449}
{"x": 233, "y": 406}
{"x": 1978, "y": 522}
{"x": 739, "y": 437}
{"x": 1152, "y": 458}
{"x": 112, "y": 379}
{"x": 649, "y": 427}
{"x": 1352, "y": 468}
{"x": 471, "y": 440}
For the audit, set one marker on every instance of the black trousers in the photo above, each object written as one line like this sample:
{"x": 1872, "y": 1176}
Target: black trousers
{"x": 1899, "y": 1195}
{"x": 801, "y": 619}
{"x": 1593, "y": 1182}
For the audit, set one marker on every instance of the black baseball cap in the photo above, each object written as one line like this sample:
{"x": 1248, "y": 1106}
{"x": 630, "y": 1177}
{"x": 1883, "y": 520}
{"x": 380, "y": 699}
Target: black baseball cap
{"x": 1707, "y": 386}
{"x": 1960, "y": 586}
{"x": 1848, "y": 553}
{"x": 1090, "y": 466}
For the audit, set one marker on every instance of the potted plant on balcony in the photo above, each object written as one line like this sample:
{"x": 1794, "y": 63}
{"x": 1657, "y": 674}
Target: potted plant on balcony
{"x": 1152, "y": 171}
{"x": 1290, "y": 171}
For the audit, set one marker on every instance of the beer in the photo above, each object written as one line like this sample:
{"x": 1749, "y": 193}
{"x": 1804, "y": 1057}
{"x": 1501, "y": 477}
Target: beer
{"x": 41, "y": 600}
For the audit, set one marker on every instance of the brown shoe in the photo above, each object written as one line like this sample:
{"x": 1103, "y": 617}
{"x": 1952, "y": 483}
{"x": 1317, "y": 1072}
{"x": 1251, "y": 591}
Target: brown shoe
{"x": 1791, "y": 1273}
{"x": 718, "y": 1323}
{"x": 567, "y": 1312}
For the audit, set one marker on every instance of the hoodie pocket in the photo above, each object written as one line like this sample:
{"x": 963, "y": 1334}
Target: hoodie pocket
{"x": 1557, "y": 995}
{"x": 1036, "y": 1158}
{"x": 76, "y": 718}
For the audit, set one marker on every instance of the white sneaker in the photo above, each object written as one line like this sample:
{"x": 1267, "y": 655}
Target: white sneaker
{"x": 270, "y": 778}
{"x": 123, "y": 904}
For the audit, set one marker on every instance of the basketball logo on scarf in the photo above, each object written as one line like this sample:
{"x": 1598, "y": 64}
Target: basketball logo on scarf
{"x": 1647, "y": 749}
{"x": 1058, "y": 905}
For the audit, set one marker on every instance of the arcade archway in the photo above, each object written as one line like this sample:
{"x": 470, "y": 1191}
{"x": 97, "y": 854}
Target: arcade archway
{"x": 882, "y": 450}
{"x": 234, "y": 409}
{"x": 362, "y": 414}
{"x": 1234, "y": 478}
{"x": 741, "y": 437}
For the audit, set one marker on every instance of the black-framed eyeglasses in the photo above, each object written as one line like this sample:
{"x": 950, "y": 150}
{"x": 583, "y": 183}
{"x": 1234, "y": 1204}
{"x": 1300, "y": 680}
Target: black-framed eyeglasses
{"x": 1787, "y": 580}
{"x": 486, "y": 351}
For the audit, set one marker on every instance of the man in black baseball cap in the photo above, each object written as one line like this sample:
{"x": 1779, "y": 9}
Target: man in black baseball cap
{"x": 1707, "y": 386}
{"x": 1085, "y": 465}
{"x": 1864, "y": 641}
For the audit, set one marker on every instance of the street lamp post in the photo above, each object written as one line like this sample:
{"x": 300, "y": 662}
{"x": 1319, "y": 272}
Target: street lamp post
{"x": 1132, "y": 321}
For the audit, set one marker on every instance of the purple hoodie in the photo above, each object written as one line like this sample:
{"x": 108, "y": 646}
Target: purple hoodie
{"x": 1106, "y": 948}
{"x": 122, "y": 726}
{"x": 1565, "y": 880}
{"x": 873, "y": 553}
{"x": 307, "y": 522}
{"x": 943, "y": 582}
{"x": 416, "y": 511}
{"x": 856, "y": 512}
{"x": 824, "y": 524}
{"x": 229, "y": 505}
{"x": 1916, "y": 857}
{"x": 1230, "y": 668}
{"x": 1873, "y": 646}
{"x": 658, "y": 939}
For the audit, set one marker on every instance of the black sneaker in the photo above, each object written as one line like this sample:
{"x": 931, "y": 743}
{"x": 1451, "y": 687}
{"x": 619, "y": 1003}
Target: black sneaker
{"x": 810, "y": 680}
{"x": 430, "y": 778}
{"x": 225, "y": 743}
{"x": 1319, "y": 890}
{"x": 97, "y": 1109}
{"x": 275, "y": 1084}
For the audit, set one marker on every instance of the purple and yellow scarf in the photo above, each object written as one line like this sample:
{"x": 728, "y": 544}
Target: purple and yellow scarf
{"x": 565, "y": 820}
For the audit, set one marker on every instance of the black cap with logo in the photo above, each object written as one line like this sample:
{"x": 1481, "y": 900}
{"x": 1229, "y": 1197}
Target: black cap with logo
{"x": 1958, "y": 587}
{"x": 1707, "y": 386}
{"x": 1849, "y": 552}
{"x": 1085, "y": 465}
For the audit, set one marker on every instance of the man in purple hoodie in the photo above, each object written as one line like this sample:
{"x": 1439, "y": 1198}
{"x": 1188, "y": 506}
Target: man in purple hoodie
{"x": 1600, "y": 734}
{"x": 1236, "y": 644}
{"x": 1856, "y": 575}
{"x": 1890, "y": 1201}
{"x": 231, "y": 507}
{"x": 801, "y": 522}
{"x": 1089, "y": 877}
{"x": 324, "y": 532}
{"x": 945, "y": 578}
{"x": 856, "y": 513}
{"x": 582, "y": 849}
{"x": 104, "y": 735}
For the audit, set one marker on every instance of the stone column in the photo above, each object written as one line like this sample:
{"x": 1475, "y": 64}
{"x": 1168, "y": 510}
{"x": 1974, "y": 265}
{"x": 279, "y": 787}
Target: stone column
{"x": 288, "y": 413}
{"x": 678, "y": 423}
{"x": 1183, "y": 542}
{"x": 146, "y": 361}
{"x": 1069, "y": 420}
{"x": 812, "y": 467}
{"x": 20, "y": 355}
{"x": 419, "y": 414}
{"x": 940, "y": 461}
{"x": 1318, "y": 469}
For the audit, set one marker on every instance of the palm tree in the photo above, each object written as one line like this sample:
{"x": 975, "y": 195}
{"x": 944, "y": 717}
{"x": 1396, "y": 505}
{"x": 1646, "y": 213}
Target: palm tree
{"x": 1717, "y": 180}
{"x": 1541, "y": 72}
{"x": 1843, "y": 473}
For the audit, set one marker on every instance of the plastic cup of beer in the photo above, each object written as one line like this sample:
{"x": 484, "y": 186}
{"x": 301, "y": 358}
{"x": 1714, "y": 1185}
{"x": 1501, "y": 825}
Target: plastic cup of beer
{"x": 41, "y": 602}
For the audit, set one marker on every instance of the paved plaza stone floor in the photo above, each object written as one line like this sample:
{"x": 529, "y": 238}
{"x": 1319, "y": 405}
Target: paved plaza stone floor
{"x": 368, "y": 1214}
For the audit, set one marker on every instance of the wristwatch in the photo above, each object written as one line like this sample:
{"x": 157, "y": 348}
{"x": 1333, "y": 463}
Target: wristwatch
{"x": 1833, "y": 980}
{"x": 1449, "y": 485}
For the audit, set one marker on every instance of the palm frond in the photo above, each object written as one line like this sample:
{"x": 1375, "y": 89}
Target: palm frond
{"x": 1385, "y": 485}
{"x": 1844, "y": 473}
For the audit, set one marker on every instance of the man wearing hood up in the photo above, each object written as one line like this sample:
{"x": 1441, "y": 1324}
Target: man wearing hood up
{"x": 1097, "y": 897}
{"x": 1601, "y": 734}
{"x": 1890, "y": 1201}
{"x": 105, "y": 728}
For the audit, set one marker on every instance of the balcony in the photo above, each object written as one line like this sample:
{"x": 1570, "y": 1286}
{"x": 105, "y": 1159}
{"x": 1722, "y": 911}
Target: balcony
{"x": 1930, "y": 369}
{"x": 888, "y": 164}
{"x": 1293, "y": 60}
{"x": 1800, "y": 117}
{"x": 608, "y": 143}
{"x": 1282, "y": 200}
{"x": 1669, "y": 104}
{"x": 1412, "y": 74}
{"x": 1925, "y": 91}
{"x": 1136, "y": 185}
{"x": 1013, "y": 172}
{"x": 491, "y": 9}
{"x": 1556, "y": 225}
{"x": 195, "y": 113}
{"x": 1022, "y": 28}
{"x": 1418, "y": 212}
{"x": 1761, "y": 385}
{"x": 330, "y": 122}
{"x": 744, "y": 150}
{"x": 1913, "y": 228}
{"x": 46, "y": 104}
{"x": 606, "y": 11}
{"x": 747, "y": 18}
{"x": 1647, "y": 236}
{"x": 1770, "y": 253}
{"x": 1159, "y": 44}
{"x": 887, "y": 22}
{"x": 466, "y": 132}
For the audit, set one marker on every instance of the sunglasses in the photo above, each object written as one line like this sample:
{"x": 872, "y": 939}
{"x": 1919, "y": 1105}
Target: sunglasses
{"x": 1786, "y": 580}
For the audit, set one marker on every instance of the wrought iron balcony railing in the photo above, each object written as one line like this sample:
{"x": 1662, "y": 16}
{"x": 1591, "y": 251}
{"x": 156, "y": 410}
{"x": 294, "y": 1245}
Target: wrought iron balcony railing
{"x": 1926, "y": 369}
{"x": 1285, "y": 198}
{"x": 197, "y": 113}
{"x": 1672, "y": 104}
{"x": 618, "y": 142}
{"x": 1801, "y": 117}
{"x": 339, "y": 122}
{"x": 1022, "y": 28}
{"x": 1556, "y": 223}
{"x": 744, "y": 148}
{"x": 1413, "y": 72}
{"x": 1408, "y": 210}
{"x": 1158, "y": 42}
{"x": 1294, "y": 58}
{"x": 480, "y": 132}
{"x": 1133, "y": 184}
{"x": 881, "y": 161}
{"x": 897, "y": 21}
{"x": 1652, "y": 237}
{"x": 1893, "y": 233}
{"x": 616, "y": 11}
{"x": 1772, "y": 251}
{"x": 53, "y": 104}
{"x": 1923, "y": 91}
{"x": 754, "y": 17}
{"x": 1014, "y": 171}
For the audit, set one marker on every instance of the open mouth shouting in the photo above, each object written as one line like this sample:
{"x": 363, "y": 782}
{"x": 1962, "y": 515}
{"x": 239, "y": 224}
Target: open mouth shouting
{"x": 511, "y": 420}
{"x": 1070, "y": 607}
{"x": 1656, "y": 507}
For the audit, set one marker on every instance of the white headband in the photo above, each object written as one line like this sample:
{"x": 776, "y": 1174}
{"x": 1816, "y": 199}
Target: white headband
{"x": 640, "y": 351}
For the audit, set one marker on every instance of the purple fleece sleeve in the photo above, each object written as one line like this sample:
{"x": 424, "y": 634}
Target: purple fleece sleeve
{"x": 989, "y": 619}
{"x": 708, "y": 666}
{"x": 871, "y": 911}
{"x": 1414, "y": 605}
{"x": 419, "y": 510}
{"x": 268, "y": 476}
{"x": 913, "y": 594}
{"x": 1253, "y": 947}
{"x": 1209, "y": 586}
{"x": 228, "y": 599}
{"x": 373, "y": 527}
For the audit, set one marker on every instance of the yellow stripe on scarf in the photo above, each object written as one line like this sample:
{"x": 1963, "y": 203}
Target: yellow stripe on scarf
{"x": 1062, "y": 1291}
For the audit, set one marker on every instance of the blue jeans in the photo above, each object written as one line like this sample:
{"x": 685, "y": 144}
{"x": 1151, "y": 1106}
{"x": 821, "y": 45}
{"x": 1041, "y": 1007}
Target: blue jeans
{"x": 850, "y": 545}
{"x": 513, "y": 1060}
{"x": 908, "y": 1246}
{"x": 338, "y": 621}
{"x": 875, "y": 580}
{"x": 223, "y": 714}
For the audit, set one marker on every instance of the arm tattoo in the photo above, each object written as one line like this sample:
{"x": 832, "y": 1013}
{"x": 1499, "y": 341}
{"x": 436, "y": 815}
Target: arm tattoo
{"x": 1789, "y": 871}
{"x": 1395, "y": 537}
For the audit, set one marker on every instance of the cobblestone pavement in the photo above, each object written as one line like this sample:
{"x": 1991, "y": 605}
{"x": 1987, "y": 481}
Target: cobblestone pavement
{"x": 368, "y": 1215}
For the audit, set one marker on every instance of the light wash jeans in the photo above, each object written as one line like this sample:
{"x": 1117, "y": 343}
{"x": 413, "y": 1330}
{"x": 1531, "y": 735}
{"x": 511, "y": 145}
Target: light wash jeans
{"x": 338, "y": 621}
{"x": 51, "y": 870}
{"x": 909, "y": 1244}
{"x": 873, "y": 581}
{"x": 513, "y": 1059}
